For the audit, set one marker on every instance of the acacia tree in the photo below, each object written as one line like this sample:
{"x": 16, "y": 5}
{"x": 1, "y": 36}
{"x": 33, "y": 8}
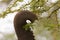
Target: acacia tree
{"x": 48, "y": 24}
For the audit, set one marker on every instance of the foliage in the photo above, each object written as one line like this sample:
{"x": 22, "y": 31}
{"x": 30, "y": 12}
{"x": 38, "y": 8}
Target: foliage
{"x": 49, "y": 24}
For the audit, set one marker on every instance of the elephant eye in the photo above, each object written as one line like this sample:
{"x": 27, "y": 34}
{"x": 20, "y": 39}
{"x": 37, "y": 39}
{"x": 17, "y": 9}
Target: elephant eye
{"x": 28, "y": 21}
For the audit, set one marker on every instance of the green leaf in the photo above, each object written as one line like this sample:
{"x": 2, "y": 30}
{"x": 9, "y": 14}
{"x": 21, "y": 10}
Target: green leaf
{"x": 20, "y": 0}
{"x": 27, "y": 26}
